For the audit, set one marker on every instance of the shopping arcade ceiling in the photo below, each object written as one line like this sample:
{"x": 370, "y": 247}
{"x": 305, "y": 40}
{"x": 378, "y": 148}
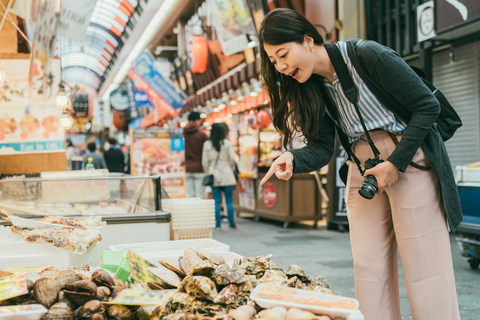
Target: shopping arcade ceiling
{"x": 89, "y": 62}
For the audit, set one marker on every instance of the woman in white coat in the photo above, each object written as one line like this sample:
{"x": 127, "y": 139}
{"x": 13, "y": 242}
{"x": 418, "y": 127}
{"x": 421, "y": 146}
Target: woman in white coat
{"x": 218, "y": 159}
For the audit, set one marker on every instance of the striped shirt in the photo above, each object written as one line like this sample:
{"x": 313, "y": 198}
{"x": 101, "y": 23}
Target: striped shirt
{"x": 375, "y": 115}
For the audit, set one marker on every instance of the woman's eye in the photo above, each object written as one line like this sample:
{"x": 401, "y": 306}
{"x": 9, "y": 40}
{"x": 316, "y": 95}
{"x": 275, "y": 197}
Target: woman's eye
{"x": 283, "y": 56}
{"x": 274, "y": 62}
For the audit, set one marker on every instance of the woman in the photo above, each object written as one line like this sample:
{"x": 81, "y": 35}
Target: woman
{"x": 409, "y": 211}
{"x": 218, "y": 158}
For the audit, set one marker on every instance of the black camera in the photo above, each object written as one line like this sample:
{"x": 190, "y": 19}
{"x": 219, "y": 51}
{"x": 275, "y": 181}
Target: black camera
{"x": 369, "y": 185}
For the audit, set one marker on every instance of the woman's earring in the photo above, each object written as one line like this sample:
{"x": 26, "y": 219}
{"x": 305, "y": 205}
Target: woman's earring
{"x": 280, "y": 78}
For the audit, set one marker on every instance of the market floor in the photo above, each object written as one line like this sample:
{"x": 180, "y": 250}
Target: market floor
{"x": 328, "y": 253}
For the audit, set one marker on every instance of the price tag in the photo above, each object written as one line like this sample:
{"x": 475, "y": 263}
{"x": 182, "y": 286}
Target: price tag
{"x": 139, "y": 297}
{"x": 13, "y": 286}
{"x": 139, "y": 270}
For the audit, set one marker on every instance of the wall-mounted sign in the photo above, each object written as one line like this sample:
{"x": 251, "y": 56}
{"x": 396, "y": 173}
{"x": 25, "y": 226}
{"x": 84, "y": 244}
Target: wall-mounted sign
{"x": 269, "y": 195}
{"x": 452, "y": 13}
{"x": 425, "y": 21}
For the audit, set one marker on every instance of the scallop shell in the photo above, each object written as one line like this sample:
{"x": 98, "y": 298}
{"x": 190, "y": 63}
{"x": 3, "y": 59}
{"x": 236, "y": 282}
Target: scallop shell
{"x": 173, "y": 266}
{"x": 167, "y": 276}
{"x": 46, "y": 291}
{"x": 59, "y": 311}
{"x": 207, "y": 255}
{"x": 191, "y": 260}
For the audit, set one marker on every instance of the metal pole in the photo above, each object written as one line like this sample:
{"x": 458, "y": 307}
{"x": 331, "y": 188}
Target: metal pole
{"x": 5, "y": 14}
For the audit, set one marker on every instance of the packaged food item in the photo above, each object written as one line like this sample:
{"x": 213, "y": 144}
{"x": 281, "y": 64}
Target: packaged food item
{"x": 270, "y": 295}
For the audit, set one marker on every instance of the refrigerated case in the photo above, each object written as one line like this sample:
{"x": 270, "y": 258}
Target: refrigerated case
{"x": 129, "y": 205}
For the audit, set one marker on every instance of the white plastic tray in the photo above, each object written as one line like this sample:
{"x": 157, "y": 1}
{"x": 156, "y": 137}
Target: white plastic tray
{"x": 32, "y": 255}
{"x": 34, "y": 224}
{"x": 334, "y": 312}
{"x": 172, "y": 247}
{"x": 22, "y": 312}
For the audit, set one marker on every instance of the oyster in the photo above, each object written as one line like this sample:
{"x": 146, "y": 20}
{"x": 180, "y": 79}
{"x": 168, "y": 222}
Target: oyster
{"x": 46, "y": 291}
{"x": 294, "y": 282}
{"x": 93, "y": 309}
{"x": 179, "y": 300}
{"x": 80, "y": 292}
{"x": 199, "y": 287}
{"x": 274, "y": 276}
{"x": 180, "y": 316}
{"x": 228, "y": 295}
{"x": 118, "y": 312}
{"x": 102, "y": 278}
{"x": 59, "y": 311}
{"x": 223, "y": 275}
{"x": 320, "y": 281}
{"x": 257, "y": 266}
{"x": 204, "y": 268}
{"x": 296, "y": 271}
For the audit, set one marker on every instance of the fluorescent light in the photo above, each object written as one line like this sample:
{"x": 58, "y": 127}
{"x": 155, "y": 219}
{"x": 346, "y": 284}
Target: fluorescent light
{"x": 147, "y": 35}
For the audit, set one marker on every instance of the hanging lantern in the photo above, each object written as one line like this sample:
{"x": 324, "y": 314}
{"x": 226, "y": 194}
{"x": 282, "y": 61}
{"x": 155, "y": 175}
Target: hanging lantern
{"x": 264, "y": 118}
{"x": 251, "y": 119}
{"x": 198, "y": 52}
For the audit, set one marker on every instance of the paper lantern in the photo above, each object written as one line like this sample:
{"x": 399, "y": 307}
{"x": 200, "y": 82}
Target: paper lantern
{"x": 264, "y": 118}
{"x": 198, "y": 50}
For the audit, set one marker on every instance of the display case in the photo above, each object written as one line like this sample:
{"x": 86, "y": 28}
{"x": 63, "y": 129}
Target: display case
{"x": 130, "y": 206}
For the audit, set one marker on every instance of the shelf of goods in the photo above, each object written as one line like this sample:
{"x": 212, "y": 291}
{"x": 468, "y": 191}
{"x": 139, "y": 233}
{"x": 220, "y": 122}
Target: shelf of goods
{"x": 105, "y": 210}
{"x": 184, "y": 279}
{"x": 297, "y": 199}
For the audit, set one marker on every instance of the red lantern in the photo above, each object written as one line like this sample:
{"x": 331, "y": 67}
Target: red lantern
{"x": 252, "y": 121}
{"x": 198, "y": 51}
{"x": 264, "y": 118}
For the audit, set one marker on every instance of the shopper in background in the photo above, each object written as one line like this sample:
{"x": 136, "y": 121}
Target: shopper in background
{"x": 71, "y": 152}
{"x": 97, "y": 159}
{"x": 126, "y": 152}
{"x": 114, "y": 157}
{"x": 218, "y": 159}
{"x": 416, "y": 188}
{"x": 194, "y": 140}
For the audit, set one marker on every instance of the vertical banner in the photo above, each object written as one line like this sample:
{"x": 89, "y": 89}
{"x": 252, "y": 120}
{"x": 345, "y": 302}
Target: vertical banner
{"x": 101, "y": 113}
{"x": 232, "y": 24}
{"x": 246, "y": 194}
{"x": 75, "y": 18}
{"x": 34, "y": 128}
{"x": 160, "y": 152}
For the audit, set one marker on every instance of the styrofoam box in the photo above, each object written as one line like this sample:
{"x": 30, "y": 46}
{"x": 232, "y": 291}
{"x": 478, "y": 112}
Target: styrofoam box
{"x": 43, "y": 255}
{"x": 170, "y": 248}
{"x": 466, "y": 174}
{"x": 22, "y": 312}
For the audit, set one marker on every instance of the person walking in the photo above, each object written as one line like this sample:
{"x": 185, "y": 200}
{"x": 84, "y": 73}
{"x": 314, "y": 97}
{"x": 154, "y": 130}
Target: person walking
{"x": 417, "y": 200}
{"x": 194, "y": 140}
{"x": 114, "y": 157}
{"x": 218, "y": 159}
{"x": 98, "y": 160}
{"x": 71, "y": 152}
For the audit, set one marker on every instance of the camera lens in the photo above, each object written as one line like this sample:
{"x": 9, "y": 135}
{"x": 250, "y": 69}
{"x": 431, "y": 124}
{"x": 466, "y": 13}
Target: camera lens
{"x": 369, "y": 187}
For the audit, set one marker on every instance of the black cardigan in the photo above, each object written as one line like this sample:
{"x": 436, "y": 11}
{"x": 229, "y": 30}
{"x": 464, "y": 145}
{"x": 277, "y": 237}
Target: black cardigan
{"x": 402, "y": 92}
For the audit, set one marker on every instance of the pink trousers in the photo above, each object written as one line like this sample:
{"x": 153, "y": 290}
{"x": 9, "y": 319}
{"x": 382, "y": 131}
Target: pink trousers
{"x": 409, "y": 216}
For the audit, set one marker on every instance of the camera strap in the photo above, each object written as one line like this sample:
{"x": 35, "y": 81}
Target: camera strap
{"x": 351, "y": 92}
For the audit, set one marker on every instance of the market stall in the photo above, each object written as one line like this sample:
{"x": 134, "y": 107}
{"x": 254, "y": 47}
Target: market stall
{"x": 259, "y": 144}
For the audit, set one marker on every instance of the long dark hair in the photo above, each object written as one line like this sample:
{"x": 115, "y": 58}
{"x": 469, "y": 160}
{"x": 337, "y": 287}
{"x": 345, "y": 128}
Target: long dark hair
{"x": 296, "y": 107}
{"x": 217, "y": 135}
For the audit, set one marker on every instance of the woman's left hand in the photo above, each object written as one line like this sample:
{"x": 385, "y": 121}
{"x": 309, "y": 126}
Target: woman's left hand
{"x": 386, "y": 174}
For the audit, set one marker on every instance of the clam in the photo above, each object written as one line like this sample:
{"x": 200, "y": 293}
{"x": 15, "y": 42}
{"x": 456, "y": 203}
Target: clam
{"x": 93, "y": 309}
{"x": 118, "y": 312}
{"x": 119, "y": 287}
{"x": 80, "y": 292}
{"x": 103, "y": 293}
{"x": 102, "y": 278}
{"x": 68, "y": 276}
{"x": 46, "y": 291}
{"x": 59, "y": 311}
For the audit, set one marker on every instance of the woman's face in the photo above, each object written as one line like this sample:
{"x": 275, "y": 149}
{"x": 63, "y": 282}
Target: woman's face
{"x": 292, "y": 59}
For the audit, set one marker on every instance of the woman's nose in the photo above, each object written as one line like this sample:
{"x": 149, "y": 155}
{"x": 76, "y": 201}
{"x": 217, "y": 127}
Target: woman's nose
{"x": 281, "y": 67}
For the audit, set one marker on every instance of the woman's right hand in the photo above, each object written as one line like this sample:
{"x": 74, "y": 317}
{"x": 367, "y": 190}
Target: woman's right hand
{"x": 282, "y": 167}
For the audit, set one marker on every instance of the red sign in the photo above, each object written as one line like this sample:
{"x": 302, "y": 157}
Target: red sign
{"x": 269, "y": 195}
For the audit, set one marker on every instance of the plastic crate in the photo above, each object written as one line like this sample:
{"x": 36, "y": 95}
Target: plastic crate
{"x": 32, "y": 255}
{"x": 111, "y": 260}
{"x": 197, "y": 233}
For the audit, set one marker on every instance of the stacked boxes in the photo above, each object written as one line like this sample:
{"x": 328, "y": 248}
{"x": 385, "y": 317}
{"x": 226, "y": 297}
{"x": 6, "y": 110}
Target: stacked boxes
{"x": 191, "y": 218}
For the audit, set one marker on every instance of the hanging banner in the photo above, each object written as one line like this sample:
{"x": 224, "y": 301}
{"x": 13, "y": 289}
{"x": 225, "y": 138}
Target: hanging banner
{"x": 232, "y": 24}
{"x": 29, "y": 125}
{"x": 246, "y": 194}
{"x": 75, "y": 18}
{"x": 160, "y": 152}
{"x": 45, "y": 22}
{"x": 145, "y": 69}
{"x": 101, "y": 113}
